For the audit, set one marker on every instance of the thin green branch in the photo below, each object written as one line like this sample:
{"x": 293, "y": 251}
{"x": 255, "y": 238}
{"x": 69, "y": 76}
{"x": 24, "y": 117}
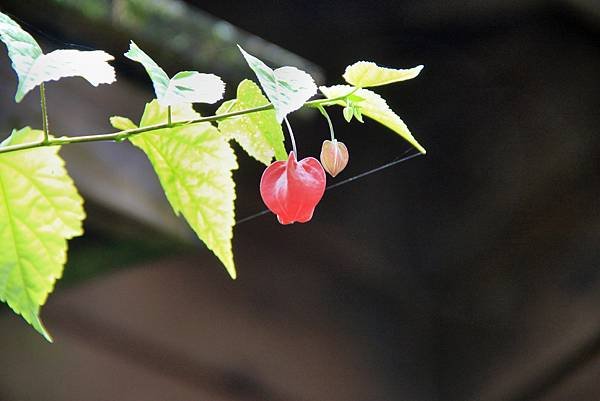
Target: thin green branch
{"x": 121, "y": 135}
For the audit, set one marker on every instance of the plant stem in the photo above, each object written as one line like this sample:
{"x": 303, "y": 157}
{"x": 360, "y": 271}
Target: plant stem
{"x": 169, "y": 115}
{"x": 289, "y": 127}
{"x": 44, "y": 113}
{"x": 121, "y": 135}
{"x": 326, "y": 115}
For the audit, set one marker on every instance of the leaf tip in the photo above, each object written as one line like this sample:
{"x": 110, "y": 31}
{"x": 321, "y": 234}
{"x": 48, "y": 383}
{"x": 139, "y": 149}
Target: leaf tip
{"x": 247, "y": 56}
{"x": 227, "y": 261}
{"x": 132, "y": 47}
{"x": 420, "y": 148}
{"x": 37, "y": 324}
{"x": 48, "y": 337}
{"x": 122, "y": 123}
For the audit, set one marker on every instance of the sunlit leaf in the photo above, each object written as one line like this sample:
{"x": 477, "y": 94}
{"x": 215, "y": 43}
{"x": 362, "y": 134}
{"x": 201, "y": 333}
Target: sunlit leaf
{"x": 258, "y": 133}
{"x": 286, "y": 87}
{"x": 357, "y": 114}
{"x": 194, "y": 87}
{"x": 39, "y": 210}
{"x": 375, "y": 107}
{"x": 158, "y": 76}
{"x": 23, "y": 50}
{"x": 122, "y": 123}
{"x": 184, "y": 87}
{"x": 364, "y": 74}
{"x": 348, "y": 113}
{"x": 33, "y": 67}
{"x": 194, "y": 164}
{"x": 90, "y": 65}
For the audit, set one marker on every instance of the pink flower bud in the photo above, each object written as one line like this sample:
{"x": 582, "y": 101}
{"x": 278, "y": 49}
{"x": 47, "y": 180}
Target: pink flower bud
{"x": 334, "y": 157}
{"x": 291, "y": 189}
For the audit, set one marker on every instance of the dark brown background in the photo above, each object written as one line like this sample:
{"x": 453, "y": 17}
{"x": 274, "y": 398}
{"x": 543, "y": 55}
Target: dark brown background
{"x": 469, "y": 274}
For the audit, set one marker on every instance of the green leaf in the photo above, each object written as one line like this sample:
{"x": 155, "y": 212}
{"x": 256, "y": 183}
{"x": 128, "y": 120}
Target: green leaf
{"x": 33, "y": 67}
{"x": 286, "y": 87}
{"x": 364, "y": 74}
{"x": 122, "y": 123}
{"x": 39, "y": 210}
{"x": 23, "y": 50}
{"x": 184, "y": 87}
{"x": 259, "y": 134}
{"x": 357, "y": 113}
{"x": 348, "y": 113}
{"x": 194, "y": 164}
{"x": 160, "y": 79}
{"x": 374, "y": 107}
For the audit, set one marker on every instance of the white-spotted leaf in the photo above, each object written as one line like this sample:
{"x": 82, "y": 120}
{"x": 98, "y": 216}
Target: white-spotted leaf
{"x": 373, "y": 106}
{"x": 259, "y": 134}
{"x": 364, "y": 74}
{"x": 184, "y": 87}
{"x": 39, "y": 210}
{"x": 194, "y": 164}
{"x": 33, "y": 67}
{"x": 286, "y": 87}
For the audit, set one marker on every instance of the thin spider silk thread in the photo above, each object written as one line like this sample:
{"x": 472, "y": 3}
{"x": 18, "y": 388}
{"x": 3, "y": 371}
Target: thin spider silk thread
{"x": 53, "y": 39}
{"x": 394, "y": 162}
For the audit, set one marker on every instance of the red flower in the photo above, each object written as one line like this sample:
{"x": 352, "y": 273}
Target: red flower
{"x": 291, "y": 189}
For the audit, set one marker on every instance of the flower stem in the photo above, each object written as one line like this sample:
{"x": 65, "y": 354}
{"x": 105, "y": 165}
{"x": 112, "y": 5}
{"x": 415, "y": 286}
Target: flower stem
{"x": 326, "y": 115}
{"x": 289, "y": 127}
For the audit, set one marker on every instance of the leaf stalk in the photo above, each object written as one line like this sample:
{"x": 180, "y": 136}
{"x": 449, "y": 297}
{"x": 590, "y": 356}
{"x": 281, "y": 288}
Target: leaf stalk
{"x": 45, "y": 127}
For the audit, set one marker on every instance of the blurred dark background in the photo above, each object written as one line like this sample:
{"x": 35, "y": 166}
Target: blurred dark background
{"x": 468, "y": 274}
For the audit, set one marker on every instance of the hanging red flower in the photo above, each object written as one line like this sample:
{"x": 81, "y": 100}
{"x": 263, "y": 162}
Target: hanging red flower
{"x": 291, "y": 189}
{"x": 334, "y": 156}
